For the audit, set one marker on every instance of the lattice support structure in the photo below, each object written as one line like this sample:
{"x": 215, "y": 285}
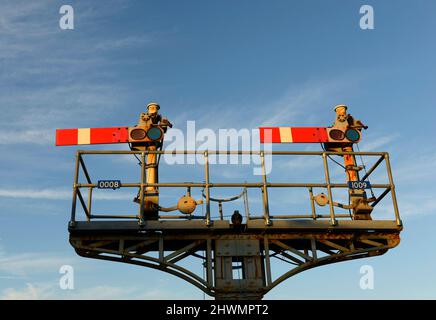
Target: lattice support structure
{"x": 237, "y": 263}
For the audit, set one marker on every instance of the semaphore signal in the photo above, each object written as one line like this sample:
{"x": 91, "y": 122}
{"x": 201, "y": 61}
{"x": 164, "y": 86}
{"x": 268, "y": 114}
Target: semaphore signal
{"x": 236, "y": 249}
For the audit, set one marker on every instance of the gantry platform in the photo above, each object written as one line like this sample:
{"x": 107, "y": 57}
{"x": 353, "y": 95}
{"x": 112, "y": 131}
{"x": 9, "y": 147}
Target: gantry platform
{"x": 236, "y": 257}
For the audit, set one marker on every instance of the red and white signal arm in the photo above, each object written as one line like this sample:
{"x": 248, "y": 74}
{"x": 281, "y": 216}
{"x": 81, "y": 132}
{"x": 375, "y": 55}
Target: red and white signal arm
{"x": 308, "y": 135}
{"x": 84, "y": 136}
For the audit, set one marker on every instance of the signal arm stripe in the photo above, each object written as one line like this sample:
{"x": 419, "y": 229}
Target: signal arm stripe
{"x": 285, "y": 134}
{"x": 84, "y": 136}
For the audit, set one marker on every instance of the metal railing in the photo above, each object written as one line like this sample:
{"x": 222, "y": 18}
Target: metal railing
{"x": 264, "y": 185}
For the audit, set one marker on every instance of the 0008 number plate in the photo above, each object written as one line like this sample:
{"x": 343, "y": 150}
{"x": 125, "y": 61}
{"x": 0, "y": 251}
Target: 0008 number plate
{"x": 109, "y": 184}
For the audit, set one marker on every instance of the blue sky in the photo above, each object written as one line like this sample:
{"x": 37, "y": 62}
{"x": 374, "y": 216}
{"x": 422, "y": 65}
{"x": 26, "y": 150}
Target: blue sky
{"x": 223, "y": 64}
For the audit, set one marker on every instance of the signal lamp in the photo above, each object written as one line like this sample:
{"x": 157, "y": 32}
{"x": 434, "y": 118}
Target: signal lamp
{"x": 154, "y": 133}
{"x": 138, "y": 134}
{"x": 337, "y": 134}
{"x": 352, "y": 134}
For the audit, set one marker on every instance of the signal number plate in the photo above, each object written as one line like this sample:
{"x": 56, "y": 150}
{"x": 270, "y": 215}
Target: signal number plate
{"x": 359, "y": 185}
{"x": 109, "y": 184}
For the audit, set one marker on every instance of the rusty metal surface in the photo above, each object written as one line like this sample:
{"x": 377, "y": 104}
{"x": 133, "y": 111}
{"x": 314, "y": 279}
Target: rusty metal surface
{"x": 305, "y": 250}
{"x": 251, "y": 225}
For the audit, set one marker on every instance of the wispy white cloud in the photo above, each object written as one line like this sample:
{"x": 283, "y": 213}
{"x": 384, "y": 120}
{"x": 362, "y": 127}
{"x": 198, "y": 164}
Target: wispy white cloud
{"x": 33, "y": 117}
{"x": 25, "y": 264}
{"x": 297, "y": 106}
{"x": 413, "y": 174}
{"x": 302, "y": 163}
{"x": 24, "y": 18}
{"x": 29, "y": 292}
{"x": 102, "y": 293}
{"x": 415, "y": 167}
{"x": 58, "y": 194}
{"x": 40, "y": 107}
{"x": 51, "y": 290}
{"x": 301, "y": 106}
{"x": 416, "y": 206}
{"x": 39, "y": 137}
{"x": 64, "y": 89}
{"x": 35, "y": 19}
{"x": 126, "y": 42}
{"x": 375, "y": 142}
{"x": 411, "y": 206}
